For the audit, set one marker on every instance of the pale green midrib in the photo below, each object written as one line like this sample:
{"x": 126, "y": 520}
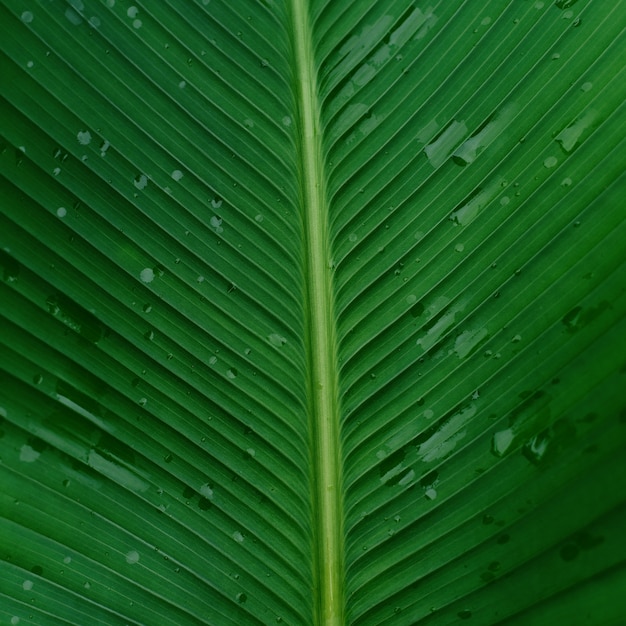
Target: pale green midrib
{"x": 326, "y": 489}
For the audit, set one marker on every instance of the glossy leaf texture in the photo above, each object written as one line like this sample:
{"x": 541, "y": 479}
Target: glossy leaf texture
{"x": 155, "y": 383}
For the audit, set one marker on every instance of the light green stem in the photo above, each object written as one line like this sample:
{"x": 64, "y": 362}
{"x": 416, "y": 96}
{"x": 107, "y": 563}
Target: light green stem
{"x": 323, "y": 404}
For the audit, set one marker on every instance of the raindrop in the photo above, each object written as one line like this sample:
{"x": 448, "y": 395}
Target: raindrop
{"x": 501, "y": 441}
{"x": 177, "y": 175}
{"x": 277, "y": 340}
{"x": 72, "y": 17}
{"x": 550, "y": 162}
{"x": 27, "y": 17}
{"x": 238, "y": 537}
{"x": 137, "y": 23}
{"x": 231, "y": 373}
{"x": 61, "y": 211}
{"x": 141, "y": 181}
{"x": 132, "y": 557}
{"x": 147, "y": 275}
{"x": 431, "y": 494}
{"x": 241, "y": 598}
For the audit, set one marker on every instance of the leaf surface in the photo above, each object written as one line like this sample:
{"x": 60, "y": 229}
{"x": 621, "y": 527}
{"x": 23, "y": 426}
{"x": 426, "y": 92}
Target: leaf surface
{"x": 312, "y": 312}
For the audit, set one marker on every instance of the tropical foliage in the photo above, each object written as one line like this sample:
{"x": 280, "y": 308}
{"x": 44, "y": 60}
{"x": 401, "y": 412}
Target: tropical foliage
{"x": 312, "y": 312}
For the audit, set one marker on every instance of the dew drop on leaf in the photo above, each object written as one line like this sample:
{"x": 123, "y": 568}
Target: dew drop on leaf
{"x": 132, "y": 557}
{"x": 147, "y": 275}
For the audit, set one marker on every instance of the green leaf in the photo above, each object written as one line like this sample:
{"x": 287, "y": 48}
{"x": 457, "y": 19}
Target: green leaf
{"x": 312, "y": 312}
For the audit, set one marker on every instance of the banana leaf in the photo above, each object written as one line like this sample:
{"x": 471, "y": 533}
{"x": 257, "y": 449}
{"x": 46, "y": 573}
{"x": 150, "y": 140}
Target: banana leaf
{"x": 312, "y": 312}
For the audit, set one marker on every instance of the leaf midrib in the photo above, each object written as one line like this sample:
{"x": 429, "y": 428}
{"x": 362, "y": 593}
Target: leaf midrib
{"x": 323, "y": 404}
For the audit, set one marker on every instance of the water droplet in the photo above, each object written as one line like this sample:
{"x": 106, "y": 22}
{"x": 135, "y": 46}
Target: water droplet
{"x": 231, "y": 373}
{"x": 550, "y": 162}
{"x": 566, "y": 182}
{"x": 286, "y": 120}
{"x": 61, "y": 211}
{"x": 501, "y": 441}
{"x": 572, "y": 135}
{"x": 430, "y": 494}
{"x": 137, "y": 23}
{"x": 438, "y": 150}
{"x": 469, "y": 150}
{"x": 94, "y": 21}
{"x": 474, "y": 203}
{"x": 586, "y": 86}
{"x": 468, "y": 340}
{"x": 132, "y": 557}
{"x": 241, "y": 598}
{"x": 182, "y": 84}
{"x": 459, "y": 247}
{"x": 27, "y": 585}
{"x": 177, "y": 175}
{"x": 28, "y": 454}
{"x": 73, "y": 17}
{"x": 147, "y": 275}
{"x": 27, "y": 17}
{"x": 30, "y": 64}
{"x": 132, "y": 11}
{"x": 141, "y": 181}
{"x": 238, "y": 537}
{"x": 147, "y": 308}
{"x": 84, "y": 137}
{"x": 277, "y": 340}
